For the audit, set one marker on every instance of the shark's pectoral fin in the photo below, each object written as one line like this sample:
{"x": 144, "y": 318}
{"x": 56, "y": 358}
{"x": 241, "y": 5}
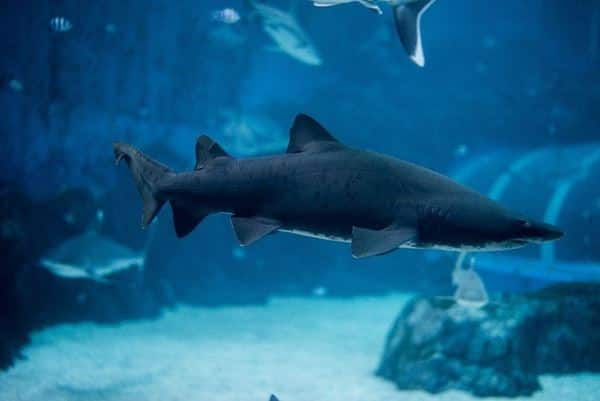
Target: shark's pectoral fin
{"x": 407, "y": 18}
{"x": 184, "y": 220}
{"x": 366, "y": 242}
{"x": 251, "y": 229}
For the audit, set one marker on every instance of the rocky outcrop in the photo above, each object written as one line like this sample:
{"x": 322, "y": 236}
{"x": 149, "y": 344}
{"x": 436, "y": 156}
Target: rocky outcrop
{"x": 496, "y": 351}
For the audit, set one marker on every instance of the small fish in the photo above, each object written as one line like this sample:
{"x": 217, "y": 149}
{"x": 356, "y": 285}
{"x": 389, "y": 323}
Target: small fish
{"x": 227, "y": 16}
{"x": 60, "y": 24}
{"x": 461, "y": 150}
{"x": 15, "y": 85}
{"x": 110, "y": 28}
{"x": 319, "y": 291}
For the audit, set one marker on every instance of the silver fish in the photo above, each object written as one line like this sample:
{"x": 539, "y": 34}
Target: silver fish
{"x": 15, "y": 85}
{"x": 227, "y": 16}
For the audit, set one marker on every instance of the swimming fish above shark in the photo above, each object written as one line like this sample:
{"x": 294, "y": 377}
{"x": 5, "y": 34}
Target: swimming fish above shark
{"x": 407, "y": 20}
{"x": 286, "y": 32}
{"x": 325, "y": 189}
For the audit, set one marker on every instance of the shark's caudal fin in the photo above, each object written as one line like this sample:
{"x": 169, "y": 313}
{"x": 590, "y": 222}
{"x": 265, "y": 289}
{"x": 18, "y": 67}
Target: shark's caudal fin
{"x": 146, "y": 174}
{"x": 407, "y": 18}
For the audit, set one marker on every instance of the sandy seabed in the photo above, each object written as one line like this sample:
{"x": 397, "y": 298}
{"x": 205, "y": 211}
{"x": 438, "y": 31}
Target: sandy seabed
{"x": 300, "y": 349}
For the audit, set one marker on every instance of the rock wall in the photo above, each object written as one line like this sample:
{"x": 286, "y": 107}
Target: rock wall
{"x": 497, "y": 351}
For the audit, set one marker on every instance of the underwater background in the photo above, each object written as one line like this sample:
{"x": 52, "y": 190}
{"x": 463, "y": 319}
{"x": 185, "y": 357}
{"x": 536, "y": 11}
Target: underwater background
{"x": 507, "y": 103}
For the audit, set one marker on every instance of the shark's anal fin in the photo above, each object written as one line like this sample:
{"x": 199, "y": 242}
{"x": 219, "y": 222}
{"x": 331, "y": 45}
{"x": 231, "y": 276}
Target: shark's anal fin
{"x": 251, "y": 229}
{"x": 307, "y": 135}
{"x": 184, "y": 220}
{"x": 367, "y": 242}
{"x": 208, "y": 150}
{"x": 407, "y": 18}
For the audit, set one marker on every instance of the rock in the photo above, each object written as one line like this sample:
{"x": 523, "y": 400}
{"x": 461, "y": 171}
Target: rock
{"x": 497, "y": 351}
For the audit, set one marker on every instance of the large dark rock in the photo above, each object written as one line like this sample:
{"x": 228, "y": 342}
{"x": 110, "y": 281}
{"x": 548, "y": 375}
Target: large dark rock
{"x": 497, "y": 351}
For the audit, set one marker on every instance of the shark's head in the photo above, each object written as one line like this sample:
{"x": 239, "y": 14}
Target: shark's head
{"x": 477, "y": 223}
{"x": 536, "y": 232}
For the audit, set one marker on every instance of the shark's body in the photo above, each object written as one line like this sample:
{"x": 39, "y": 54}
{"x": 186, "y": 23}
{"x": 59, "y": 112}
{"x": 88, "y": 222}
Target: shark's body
{"x": 325, "y": 189}
{"x": 286, "y": 32}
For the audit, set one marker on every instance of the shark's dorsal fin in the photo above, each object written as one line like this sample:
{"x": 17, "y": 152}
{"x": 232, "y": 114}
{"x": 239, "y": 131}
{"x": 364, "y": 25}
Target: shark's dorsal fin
{"x": 207, "y": 150}
{"x": 307, "y": 135}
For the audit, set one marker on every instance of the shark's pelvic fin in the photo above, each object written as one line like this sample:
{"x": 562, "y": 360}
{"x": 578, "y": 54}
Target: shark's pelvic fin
{"x": 407, "y": 18}
{"x": 185, "y": 221}
{"x": 307, "y": 135}
{"x": 251, "y": 229}
{"x": 366, "y": 242}
{"x": 207, "y": 150}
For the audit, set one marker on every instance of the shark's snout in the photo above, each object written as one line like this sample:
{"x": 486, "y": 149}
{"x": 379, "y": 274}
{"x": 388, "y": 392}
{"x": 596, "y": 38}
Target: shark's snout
{"x": 531, "y": 231}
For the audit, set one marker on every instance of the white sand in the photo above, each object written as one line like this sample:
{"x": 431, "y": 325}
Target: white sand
{"x": 299, "y": 349}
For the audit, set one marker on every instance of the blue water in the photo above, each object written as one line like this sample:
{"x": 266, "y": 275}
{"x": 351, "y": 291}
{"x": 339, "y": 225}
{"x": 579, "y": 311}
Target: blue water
{"x": 507, "y": 103}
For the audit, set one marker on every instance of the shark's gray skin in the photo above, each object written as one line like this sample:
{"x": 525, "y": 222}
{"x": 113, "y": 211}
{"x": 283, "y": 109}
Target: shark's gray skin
{"x": 325, "y": 189}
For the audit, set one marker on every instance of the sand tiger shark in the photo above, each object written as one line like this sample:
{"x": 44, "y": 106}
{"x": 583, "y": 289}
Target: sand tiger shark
{"x": 325, "y": 189}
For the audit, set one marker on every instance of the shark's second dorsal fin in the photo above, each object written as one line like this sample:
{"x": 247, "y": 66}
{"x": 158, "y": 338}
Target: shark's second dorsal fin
{"x": 307, "y": 135}
{"x": 207, "y": 150}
